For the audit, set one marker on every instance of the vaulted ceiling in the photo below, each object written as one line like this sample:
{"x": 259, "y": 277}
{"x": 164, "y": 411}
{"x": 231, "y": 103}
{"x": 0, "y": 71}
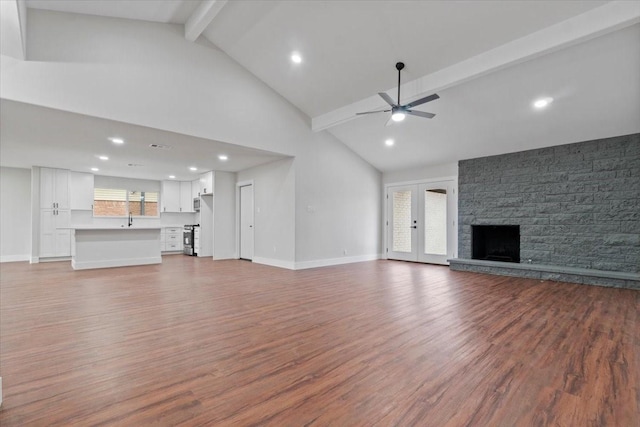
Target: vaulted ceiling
{"x": 487, "y": 60}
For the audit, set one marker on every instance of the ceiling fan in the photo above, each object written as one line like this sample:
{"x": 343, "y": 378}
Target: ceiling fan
{"x": 399, "y": 111}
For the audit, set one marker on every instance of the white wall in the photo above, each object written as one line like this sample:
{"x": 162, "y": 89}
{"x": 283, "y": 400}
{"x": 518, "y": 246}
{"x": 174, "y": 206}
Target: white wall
{"x": 15, "y": 214}
{"x": 224, "y": 215}
{"x": 338, "y": 201}
{"x": 142, "y": 65}
{"x": 274, "y": 212}
{"x": 421, "y": 174}
{"x": 102, "y": 181}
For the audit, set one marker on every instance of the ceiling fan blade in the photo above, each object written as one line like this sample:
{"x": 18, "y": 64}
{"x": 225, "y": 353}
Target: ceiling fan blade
{"x": 420, "y": 114}
{"x": 389, "y": 122}
{"x": 422, "y": 100}
{"x": 372, "y": 112}
{"x": 387, "y": 98}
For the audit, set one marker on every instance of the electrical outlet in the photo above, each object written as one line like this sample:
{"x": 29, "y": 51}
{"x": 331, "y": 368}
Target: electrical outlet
{"x": 274, "y": 249}
{"x": 344, "y": 252}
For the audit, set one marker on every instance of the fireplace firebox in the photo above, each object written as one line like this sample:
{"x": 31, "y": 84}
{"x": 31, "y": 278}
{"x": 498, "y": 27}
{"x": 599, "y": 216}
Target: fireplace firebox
{"x": 495, "y": 242}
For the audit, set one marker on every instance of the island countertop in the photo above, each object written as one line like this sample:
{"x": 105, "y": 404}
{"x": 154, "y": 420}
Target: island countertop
{"x": 111, "y": 227}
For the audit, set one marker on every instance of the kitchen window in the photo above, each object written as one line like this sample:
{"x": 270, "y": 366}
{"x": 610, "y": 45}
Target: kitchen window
{"x": 118, "y": 202}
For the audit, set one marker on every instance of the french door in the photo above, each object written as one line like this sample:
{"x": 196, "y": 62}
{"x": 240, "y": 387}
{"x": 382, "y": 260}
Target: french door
{"x": 421, "y": 222}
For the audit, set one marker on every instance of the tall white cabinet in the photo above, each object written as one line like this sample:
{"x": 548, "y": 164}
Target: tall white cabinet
{"x": 54, "y": 188}
{"x": 55, "y": 214}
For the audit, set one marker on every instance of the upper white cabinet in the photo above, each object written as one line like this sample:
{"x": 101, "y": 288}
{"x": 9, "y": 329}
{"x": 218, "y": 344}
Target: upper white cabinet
{"x": 206, "y": 183}
{"x": 177, "y": 196}
{"x": 170, "y": 196}
{"x": 81, "y": 185}
{"x": 186, "y": 199}
{"x": 54, "y": 188}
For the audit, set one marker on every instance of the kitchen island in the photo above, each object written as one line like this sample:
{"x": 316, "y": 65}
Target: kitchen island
{"x": 103, "y": 247}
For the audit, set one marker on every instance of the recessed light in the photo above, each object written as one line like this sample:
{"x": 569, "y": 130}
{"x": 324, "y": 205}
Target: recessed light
{"x": 223, "y": 157}
{"x": 389, "y": 142}
{"x": 172, "y": 177}
{"x": 117, "y": 140}
{"x": 296, "y": 58}
{"x": 193, "y": 168}
{"x": 95, "y": 169}
{"x": 542, "y": 102}
{"x": 103, "y": 157}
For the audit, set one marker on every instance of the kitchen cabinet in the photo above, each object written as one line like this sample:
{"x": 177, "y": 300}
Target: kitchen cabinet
{"x": 176, "y": 196}
{"x": 170, "y": 196}
{"x": 171, "y": 239}
{"x": 206, "y": 183}
{"x": 54, "y": 188}
{"x": 186, "y": 198}
{"x": 55, "y": 215}
{"x": 195, "y": 188}
{"x": 55, "y": 236}
{"x": 81, "y": 191}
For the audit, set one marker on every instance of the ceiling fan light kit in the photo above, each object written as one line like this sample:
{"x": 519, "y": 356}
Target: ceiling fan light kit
{"x": 399, "y": 111}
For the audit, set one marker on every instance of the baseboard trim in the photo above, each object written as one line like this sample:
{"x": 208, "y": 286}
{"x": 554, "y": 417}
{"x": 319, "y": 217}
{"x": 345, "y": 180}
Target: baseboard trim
{"x": 336, "y": 261}
{"x": 15, "y": 258}
{"x": 275, "y": 263}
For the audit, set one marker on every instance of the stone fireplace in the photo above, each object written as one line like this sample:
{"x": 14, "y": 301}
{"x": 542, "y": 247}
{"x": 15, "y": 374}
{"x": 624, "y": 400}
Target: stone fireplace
{"x": 577, "y": 207}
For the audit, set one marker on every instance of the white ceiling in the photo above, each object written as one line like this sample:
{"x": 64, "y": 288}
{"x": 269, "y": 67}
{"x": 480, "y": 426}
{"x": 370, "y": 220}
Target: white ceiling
{"x": 350, "y": 47}
{"x": 349, "y": 50}
{"x": 164, "y": 11}
{"x": 39, "y": 136}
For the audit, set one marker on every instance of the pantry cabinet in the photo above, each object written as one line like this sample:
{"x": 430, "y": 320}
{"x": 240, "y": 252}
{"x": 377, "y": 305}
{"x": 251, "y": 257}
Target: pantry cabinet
{"x": 55, "y": 213}
{"x": 54, "y": 188}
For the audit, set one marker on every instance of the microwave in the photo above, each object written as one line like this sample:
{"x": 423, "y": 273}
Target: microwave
{"x": 196, "y": 204}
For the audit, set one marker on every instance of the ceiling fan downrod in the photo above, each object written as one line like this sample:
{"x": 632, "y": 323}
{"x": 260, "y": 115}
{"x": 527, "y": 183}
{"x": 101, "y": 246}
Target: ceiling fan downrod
{"x": 399, "y": 67}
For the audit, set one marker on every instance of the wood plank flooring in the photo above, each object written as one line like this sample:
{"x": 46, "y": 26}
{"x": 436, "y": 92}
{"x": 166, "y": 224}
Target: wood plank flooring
{"x": 194, "y": 342}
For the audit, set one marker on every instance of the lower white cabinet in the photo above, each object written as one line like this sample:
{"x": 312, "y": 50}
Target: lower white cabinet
{"x": 55, "y": 236}
{"x": 171, "y": 239}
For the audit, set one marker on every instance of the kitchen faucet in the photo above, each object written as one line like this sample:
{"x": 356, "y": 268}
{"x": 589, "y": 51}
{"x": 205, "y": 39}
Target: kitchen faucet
{"x": 130, "y": 219}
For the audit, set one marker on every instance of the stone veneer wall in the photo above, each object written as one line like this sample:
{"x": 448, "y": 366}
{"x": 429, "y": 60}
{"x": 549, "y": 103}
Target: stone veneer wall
{"x": 578, "y": 205}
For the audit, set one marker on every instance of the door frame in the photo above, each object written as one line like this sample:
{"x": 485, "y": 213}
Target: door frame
{"x": 453, "y": 250}
{"x": 238, "y": 185}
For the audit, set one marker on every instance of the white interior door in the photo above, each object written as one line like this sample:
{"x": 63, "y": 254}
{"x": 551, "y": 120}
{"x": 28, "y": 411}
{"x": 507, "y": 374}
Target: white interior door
{"x": 403, "y": 223}
{"x": 246, "y": 222}
{"x": 421, "y": 225}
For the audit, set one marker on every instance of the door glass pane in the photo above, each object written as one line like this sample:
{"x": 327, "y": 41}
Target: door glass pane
{"x": 435, "y": 222}
{"x": 401, "y": 221}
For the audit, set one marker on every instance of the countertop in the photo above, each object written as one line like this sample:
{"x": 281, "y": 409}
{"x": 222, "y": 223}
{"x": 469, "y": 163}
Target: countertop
{"x": 103, "y": 227}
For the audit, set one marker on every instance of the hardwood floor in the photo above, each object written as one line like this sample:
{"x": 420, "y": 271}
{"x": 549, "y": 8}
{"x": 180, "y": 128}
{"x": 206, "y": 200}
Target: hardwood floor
{"x": 197, "y": 342}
